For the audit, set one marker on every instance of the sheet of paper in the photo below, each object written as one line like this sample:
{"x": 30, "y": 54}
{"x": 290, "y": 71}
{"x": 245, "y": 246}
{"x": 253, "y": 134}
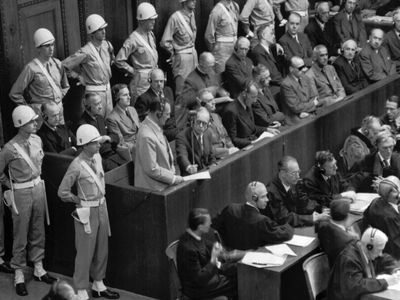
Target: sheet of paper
{"x": 363, "y": 200}
{"x": 264, "y": 135}
{"x": 263, "y": 259}
{"x": 391, "y": 287}
{"x": 300, "y": 240}
{"x": 200, "y": 175}
{"x": 281, "y": 249}
{"x": 366, "y": 196}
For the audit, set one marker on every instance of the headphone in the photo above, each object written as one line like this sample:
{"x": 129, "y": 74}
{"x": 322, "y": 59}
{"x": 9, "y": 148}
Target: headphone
{"x": 391, "y": 184}
{"x": 253, "y": 196}
{"x": 321, "y": 158}
{"x": 151, "y": 74}
{"x": 370, "y": 245}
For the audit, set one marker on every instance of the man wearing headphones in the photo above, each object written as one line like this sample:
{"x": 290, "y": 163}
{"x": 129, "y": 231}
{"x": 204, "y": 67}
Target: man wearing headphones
{"x": 384, "y": 213}
{"x": 158, "y": 91}
{"x": 108, "y": 150}
{"x": 56, "y": 138}
{"x": 154, "y": 162}
{"x": 91, "y": 64}
{"x": 123, "y": 121}
{"x": 194, "y": 145}
{"x": 353, "y": 273}
{"x": 392, "y": 112}
{"x": 238, "y": 68}
{"x": 243, "y": 227}
{"x": 323, "y": 183}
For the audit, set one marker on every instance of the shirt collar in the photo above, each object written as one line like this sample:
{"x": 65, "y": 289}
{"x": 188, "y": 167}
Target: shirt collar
{"x": 382, "y": 159}
{"x": 51, "y": 127}
{"x": 338, "y": 225}
{"x": 249, "y": 204}
{"x": 266, "y": 48}
{"x": 195, "y": 236}
{"x": 396, "y": 208}
{"x": 325, "y": 177}
{"x": 286, "y": 187}
{"x": 154, "y": 123}
{"x": 322, "y": 25}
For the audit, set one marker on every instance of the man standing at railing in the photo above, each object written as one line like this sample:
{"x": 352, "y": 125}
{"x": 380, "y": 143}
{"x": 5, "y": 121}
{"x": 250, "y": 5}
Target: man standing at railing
{"x": 23, "y": 155}
{"x": 91, "y": 222}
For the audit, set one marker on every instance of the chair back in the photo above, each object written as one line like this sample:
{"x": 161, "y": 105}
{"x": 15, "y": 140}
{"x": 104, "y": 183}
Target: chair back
{"x": 358, "y": 227}
{"x": 170, "y": 251}
{"x": 316, "y": 271}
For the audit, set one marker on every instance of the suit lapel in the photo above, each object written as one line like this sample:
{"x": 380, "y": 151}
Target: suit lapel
{"x": 245, "y": 116}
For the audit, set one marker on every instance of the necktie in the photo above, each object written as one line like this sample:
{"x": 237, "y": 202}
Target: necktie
{"x": 48, "y": 68}
{"x": 385, "y": 163}
{"x": 93, "y": 165}
{"x": 171, "y": 161}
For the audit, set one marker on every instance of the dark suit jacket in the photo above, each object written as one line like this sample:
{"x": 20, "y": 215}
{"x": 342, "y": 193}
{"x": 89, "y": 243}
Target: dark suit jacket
{"x": 376, "y": 66}
{"x": 237, "y": 73}
{"x": 59, "y": 141}
{"x": 322, "y": 191}
{"x": 354, "y": 30}
{"x": 266, "y": 110}
{"x": 381, "y": 215}
{"x": 301, "y": 49}
{"x": 243, "y": 227}
{"x": 392, "y": 43}
{"x": 184, "y": 150}
{"x": 348, "y": 279}
{"x": 326, "y": 37}
{"x": 260, "y": 56}
{"x": 332, "y": 239}
{"x": 239, "y": 124}
{"x": 142, "y": 106}
{"x": 353, "y": 78}
{"x": 287, "y": 206}
{"x": 199, "y": 278}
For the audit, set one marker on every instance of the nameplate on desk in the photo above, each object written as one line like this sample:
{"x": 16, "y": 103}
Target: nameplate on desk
{"x": 300, "y": 240}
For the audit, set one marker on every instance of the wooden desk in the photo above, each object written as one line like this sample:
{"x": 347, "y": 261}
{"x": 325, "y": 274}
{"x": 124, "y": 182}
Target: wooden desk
{"x": 385, "y": 295}
{"x": 278, "y": 282}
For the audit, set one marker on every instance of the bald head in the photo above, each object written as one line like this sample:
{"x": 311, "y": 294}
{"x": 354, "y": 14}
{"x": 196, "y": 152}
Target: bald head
{"x": 206, "y": 62}
{"x": 297, "y": 66}
{"x": 376, "y": 38}
{"x": 389, "y": 189}
{"x": 294, "y": 23}
{"x": 157, "y": 80}
{"x": 349, "y": 49}
{"x": 256, "y": 194}
{"x": 374, "y": 241}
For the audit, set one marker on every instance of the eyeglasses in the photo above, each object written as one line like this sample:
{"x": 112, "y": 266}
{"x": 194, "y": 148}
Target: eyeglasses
{"x": 202, "y": 123}
{"x": 301, "y": 67}
{"x": 293, "y": 173}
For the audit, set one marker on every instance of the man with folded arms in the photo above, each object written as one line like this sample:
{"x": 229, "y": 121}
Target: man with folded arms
{"x": 243, "y": 227}
{"x": 91, "y": 221}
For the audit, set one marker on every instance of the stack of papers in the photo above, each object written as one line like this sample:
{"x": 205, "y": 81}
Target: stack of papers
{"x": 362, "y": 201}
{"x": 300, "y": 240}
{"x": 281, "y": 250}
{"x": 263, "y": 259}
{"x": 196, "y": 176}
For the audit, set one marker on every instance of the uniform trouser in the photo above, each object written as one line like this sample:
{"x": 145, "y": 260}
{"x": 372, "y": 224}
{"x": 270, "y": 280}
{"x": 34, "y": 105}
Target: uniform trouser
{"x": 106, "y": 101}
{"x": 183, "y": 64}
{"x": 37, "y": 108}
{"x": 222, "y": 51}
{"x": 28, "y": 228}
{"x": 139, "y": 84}
{"x": 2, "y": 251}
{"x": 91, "y": 248}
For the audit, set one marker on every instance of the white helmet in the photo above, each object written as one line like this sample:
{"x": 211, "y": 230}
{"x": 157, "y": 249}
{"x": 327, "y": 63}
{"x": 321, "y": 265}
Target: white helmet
{"x": 86, "y": 134}
{"x": 42, "y": 36}
{"x": 95, "y": 22}
{"x": 146, "y": 11}
{"x": 22, "y": 115}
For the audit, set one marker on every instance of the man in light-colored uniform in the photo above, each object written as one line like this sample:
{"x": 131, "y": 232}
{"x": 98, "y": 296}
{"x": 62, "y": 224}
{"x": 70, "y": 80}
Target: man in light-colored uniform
{"x": 92, "y": 63}
{"x": 179, "y": 39}
{"x": 140, "y": 50}
{"x": 44, "y": 78}
{"x": 23, "y": 155}
{"x": 221, "y": 32}
{"x": 91, "y": 222}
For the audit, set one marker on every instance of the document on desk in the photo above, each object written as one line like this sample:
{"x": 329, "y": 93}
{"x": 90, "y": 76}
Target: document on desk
{"x": 300, "y": 240}
{"x": 263, "y": 259}
{"x": 281, "y": 249}
{"x": 196, "y": 176}
{"x": 363, "y": 200}
{"x": 390, "y": 287}
{"x": 264, "y": 135}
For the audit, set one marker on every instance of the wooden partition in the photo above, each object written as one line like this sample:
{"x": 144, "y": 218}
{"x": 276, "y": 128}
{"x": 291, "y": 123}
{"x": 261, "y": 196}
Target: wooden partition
{"x": 143, "y": 222}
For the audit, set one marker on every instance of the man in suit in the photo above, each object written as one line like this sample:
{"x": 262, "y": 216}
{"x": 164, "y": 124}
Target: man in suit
{"x": 375, "y": 59}
{"x": 353, "y": 273}
{"x": 286, "y": 205}
{"x": 298, "y": 93}
{"x": 243, "y": 227}
{"x": 296, "y": 43}
{"x": 202, "y": 77}
{"x": 301, "y": 8}
{"x": 265, "y": 53}
{"x": 323, "y": 183}
{"x": 348, "y": 67}
{"x": 321, "y": 30}
{"x": 329, "y": 86}
{"x": 265, "y": 109}
{"x": 55, "y": 137}
{"x": 201, "y": 274}
{"x": 92, "y": 116}
{"x": 238, "y": 68}
{"x": 392, "y": 41}
{"x": 194, "y": 145}
{"x": 161, "y": 93}
{"x": 349, "y": 25}
{"x": 154, "y": 162}
{"x": 334, "y": 232}
{"x": 123, "y": 120}
{"x": 383, "y": 162}
{"x": 238, "y": 118}
{"x": 392, "y": 111}
{"x": 383, "y": 213}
